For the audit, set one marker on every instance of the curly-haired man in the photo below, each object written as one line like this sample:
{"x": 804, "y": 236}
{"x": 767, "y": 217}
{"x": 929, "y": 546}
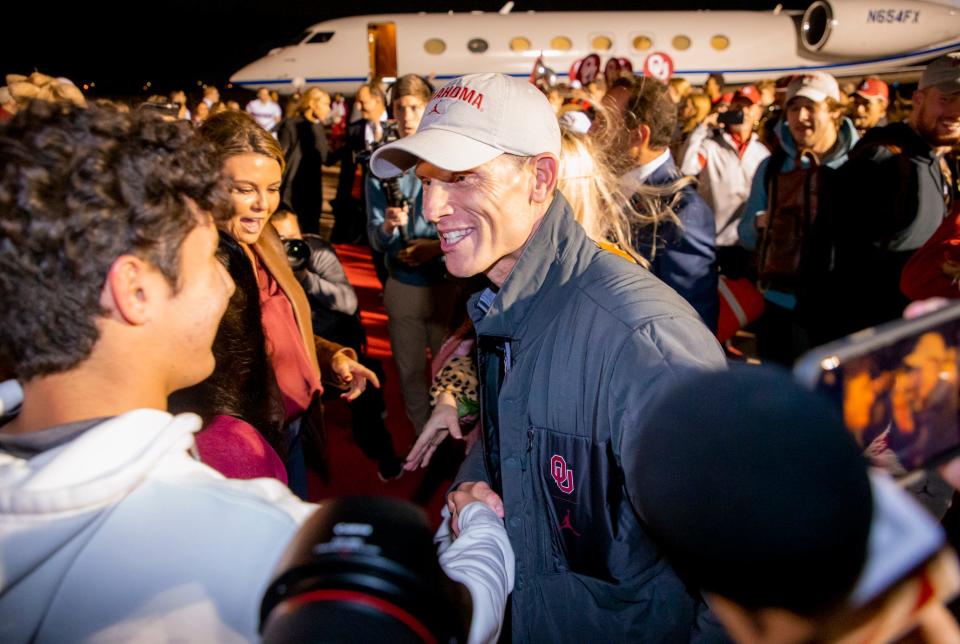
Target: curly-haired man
{"x": 111, "y": 297}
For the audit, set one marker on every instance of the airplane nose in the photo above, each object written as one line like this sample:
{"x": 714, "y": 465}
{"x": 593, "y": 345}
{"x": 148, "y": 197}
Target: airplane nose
{"x": 255, "y": 73}
{"x": 248, "y": 74}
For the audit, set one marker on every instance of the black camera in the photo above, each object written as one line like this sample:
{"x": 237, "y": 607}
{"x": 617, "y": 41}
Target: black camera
{"x": 394, "y": 193}
{"x": 364, "y": 569}
{"x": 298, "y": 253}
{"x": 391, "y": 187}
{"x": 391, "y": 133}
{"x": 730, "y": 117}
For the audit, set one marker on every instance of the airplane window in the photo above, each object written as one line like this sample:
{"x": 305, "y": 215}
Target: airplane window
{"x": 681, "y": 42}
{"x": 320, "y": 36}
{"x": 434, "y": 46}
{"x": 561, "y": 43}
{"x": 601, "y": 43}
{"x": 719, "y": 42}
{"x": 519, "y": 43}
{"x": 299, "y": 39}
{"x": 477, "y": 45}
{"x": 642, "y": 42}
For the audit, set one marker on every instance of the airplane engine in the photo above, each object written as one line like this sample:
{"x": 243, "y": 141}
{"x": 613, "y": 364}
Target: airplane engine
{"x": 857, "y": 28}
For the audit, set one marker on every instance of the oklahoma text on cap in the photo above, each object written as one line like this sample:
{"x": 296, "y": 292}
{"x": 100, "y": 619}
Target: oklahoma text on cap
{"x": 472, "y": 120}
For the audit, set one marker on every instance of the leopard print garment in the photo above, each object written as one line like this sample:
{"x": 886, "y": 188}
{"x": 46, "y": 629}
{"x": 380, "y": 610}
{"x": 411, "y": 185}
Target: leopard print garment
{"x": 458, "y": 376}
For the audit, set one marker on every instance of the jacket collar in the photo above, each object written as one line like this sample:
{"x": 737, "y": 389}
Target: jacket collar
{"x": 665, "y": 173}
{"x": 546, "y": 262}
{"x": 641, "y": 175}
{"x": 270, "y": 250}
{"x": 846, "y": 138}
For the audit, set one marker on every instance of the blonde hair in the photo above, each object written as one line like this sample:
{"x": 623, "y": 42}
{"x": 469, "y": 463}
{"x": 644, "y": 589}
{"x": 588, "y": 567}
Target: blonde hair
{"x": 613, "y": 209}
{"x": 308, "y": 97}
{"x": 591, "y": 189}
{"x": 681, "y": 87}
{"x": 701, "y": 102}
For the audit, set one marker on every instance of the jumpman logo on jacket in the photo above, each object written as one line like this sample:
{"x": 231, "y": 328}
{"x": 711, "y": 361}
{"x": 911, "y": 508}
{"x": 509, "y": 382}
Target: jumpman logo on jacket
{"x": 565, "y": 524}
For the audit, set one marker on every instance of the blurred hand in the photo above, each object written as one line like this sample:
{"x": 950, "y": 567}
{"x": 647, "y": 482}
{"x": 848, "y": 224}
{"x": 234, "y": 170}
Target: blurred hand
{"x": 466, "y": 494}
{"x": 395, "y": 218}
{"x": 419, "y": 251}
{"x": 354, "y": 374}
{"x": 442, "y": 422}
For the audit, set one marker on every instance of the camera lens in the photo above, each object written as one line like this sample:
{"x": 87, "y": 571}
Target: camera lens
{"x": 364, "y": 569}
{"x": 298, "y": 253}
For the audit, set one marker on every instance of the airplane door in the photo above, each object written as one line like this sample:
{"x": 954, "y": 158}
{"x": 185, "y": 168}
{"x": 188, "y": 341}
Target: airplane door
{"x": 382, "y": 41}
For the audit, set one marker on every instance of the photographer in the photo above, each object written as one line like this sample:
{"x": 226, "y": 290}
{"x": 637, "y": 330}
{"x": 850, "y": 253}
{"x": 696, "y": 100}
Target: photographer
{"x": 416, "y": 295}
{"x": 334, "y": 314}
{"x": 725, "y": 161}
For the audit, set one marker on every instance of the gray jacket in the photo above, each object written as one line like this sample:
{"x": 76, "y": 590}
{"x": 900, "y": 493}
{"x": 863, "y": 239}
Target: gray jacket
{"x": 591, "y": 340}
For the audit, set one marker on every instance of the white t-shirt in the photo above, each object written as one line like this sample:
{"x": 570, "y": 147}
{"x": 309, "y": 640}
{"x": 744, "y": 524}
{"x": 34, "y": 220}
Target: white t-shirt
{"x": 266, "y": 113}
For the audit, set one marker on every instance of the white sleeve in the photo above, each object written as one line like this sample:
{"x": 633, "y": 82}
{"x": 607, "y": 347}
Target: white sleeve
{"x": 482, "y": 560}
{"x": 689, "y": 164}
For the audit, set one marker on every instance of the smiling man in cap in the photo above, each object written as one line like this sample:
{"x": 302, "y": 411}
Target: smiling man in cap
{"x": 573, "y": 343}
{"x": 888, "y": 200}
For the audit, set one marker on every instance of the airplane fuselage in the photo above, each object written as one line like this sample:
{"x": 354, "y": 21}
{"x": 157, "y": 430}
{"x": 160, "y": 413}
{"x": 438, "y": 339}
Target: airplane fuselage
{"x": 845, "y": 37}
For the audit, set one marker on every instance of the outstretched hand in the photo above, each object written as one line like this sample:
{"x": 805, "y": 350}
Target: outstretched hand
{"x": 444, "y": 421}
{"x": 354, "y": 374}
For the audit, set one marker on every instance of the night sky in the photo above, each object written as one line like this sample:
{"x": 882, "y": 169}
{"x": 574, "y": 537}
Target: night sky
{"x": 175, "y": 43}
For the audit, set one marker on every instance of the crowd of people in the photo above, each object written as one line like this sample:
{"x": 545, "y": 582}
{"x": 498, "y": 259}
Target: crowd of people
{"x": 568, "y": 272}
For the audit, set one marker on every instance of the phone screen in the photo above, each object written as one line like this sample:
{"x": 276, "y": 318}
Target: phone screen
{"x": 899, "y": 400}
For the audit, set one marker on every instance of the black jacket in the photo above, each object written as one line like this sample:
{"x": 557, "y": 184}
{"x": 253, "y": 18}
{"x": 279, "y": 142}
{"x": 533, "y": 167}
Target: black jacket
{"x": 881, "y": 205}
{"x": 304, "y": 146}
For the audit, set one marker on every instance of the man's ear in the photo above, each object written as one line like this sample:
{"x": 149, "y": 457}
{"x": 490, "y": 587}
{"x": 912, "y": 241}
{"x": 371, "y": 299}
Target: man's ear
{"x": 917, "y": 102}
{"x": 639, "y": 138}
{"x": 739, "y": 622}
{"x": 760, "y": 626}
{"x": 547, "y": 171}
{"x": 130, "y": 289}
{"x": 642, "y": 134}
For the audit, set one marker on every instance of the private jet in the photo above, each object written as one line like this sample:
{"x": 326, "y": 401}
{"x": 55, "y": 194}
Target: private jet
{"x": 847, "y": 38}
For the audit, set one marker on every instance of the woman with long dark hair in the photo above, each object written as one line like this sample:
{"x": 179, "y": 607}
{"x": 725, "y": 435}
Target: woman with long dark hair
{"x": 240, "y": 404}
{"x": 253, "y": 164}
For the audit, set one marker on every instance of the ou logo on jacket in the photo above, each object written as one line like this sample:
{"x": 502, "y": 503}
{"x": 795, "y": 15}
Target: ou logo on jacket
{"x": 562, "y": 475}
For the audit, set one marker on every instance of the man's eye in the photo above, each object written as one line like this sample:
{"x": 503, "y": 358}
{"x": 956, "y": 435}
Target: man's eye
{"x": 460, "y": 178}
{"x": 425, "y": 181}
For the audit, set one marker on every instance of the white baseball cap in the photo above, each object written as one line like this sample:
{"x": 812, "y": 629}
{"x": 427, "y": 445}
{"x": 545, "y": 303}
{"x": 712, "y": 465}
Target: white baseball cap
{"x": 817, "y": 86}
{"x": 474, "y": 119}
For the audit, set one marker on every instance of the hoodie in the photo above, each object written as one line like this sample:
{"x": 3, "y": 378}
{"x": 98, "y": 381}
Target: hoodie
{"x": 757, "y": 201}
{"x": 121, "y": 535}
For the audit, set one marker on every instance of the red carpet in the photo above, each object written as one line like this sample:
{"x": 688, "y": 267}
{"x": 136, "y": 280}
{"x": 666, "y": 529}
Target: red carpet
{"x": 351, "y": 473}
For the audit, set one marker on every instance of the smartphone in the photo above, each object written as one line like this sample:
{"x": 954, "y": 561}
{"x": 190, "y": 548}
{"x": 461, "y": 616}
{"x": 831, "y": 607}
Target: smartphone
{"x": 897, "y": 388}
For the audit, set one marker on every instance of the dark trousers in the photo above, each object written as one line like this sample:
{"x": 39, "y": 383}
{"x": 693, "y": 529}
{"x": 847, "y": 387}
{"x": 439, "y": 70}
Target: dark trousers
{"x": 367, "y": 415}
{"x": 780, "y": 338}
{"x": 296, "y": 463}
